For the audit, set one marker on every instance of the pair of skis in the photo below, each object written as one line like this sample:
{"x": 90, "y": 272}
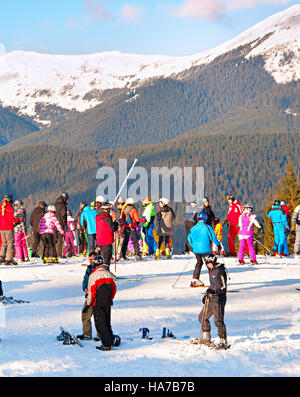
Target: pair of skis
{"x": 8, "y": 300}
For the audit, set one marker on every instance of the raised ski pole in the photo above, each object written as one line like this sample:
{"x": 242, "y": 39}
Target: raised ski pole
{"x": 125, "y": 180}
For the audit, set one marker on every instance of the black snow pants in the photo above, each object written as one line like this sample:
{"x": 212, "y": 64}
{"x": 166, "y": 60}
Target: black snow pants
{"x": 216, "y": 307}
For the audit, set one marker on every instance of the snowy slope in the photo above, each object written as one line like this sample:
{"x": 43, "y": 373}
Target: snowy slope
{"x": 262, "y": 321}
{"x": 74, "y": 82}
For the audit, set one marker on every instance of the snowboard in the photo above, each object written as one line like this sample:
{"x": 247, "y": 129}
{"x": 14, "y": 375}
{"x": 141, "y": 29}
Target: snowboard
{"x": 67, "y": 338}
{"x": 212, "y": 345}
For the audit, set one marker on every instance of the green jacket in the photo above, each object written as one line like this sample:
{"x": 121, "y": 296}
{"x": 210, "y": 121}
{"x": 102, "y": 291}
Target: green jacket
{"x": 149, "y": 215}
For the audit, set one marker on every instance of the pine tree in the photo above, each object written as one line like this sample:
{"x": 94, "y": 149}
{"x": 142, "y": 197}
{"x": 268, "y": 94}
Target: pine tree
{"x": 288, "y": 189}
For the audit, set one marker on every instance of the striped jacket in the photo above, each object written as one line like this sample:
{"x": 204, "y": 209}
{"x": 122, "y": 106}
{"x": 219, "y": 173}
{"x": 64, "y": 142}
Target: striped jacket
{"x": 101, "y": 287}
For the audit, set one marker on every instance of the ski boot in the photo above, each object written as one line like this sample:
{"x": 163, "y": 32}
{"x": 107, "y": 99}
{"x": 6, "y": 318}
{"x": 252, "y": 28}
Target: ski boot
{"x": 2, "y": 259}
{"x": 54, "y": 260}
{"x": 12, "y": 262}
{"x": 157, "y": 254}
{"x": 46, "y": 260}
{"x": 253, "y": 262}
{"x": 204, "y": 340}
{"x": 83, "y": 337}
{"x": 168, "y": 255}
{"x": 222, "y": 345}
{"x": 241, "y": 262}
{"x": 196, "y": 283}
{"x": 104, "y": 348}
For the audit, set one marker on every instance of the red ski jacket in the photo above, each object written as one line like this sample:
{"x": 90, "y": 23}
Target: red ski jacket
{"x": 105, "y": 228}
{"x": 101, "y": 288}
{"x": 7, "y": 218}
{"x": 234, "y": 211}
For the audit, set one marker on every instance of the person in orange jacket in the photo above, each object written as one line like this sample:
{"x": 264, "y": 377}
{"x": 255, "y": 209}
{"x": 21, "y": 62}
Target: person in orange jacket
{"x": 218, "y": 229}
{"x": 129, "y": 220}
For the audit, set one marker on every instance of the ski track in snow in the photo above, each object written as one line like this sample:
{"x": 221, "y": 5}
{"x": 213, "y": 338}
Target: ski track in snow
{"x": 262, "y": 321}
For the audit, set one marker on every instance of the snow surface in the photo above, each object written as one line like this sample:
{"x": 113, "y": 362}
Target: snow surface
{"x": 75, "y": 81}
{"x": 263, "y": 321}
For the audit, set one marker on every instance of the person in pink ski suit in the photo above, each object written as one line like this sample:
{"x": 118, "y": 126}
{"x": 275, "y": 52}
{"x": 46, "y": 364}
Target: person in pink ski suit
{"x": 20, "y": 232}
{"x": 70, "y": 236}
{"x": 246, "y": 225}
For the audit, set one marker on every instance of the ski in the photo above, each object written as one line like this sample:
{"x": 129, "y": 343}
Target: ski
{"x": 6, "y": 300}
{"x": 211, "y": 345}
{"x": 67, "y": 338}
{"x": 129, "y": 278}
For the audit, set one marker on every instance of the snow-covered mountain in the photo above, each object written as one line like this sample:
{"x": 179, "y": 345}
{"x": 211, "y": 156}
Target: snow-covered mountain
{"x": 77, "y": 81}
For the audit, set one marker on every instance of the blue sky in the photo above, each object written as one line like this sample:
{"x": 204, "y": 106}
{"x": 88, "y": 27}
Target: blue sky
{"x": 171, "y": 27}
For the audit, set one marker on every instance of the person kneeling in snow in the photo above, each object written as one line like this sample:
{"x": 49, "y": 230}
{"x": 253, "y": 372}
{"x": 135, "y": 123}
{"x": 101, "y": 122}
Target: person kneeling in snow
{"x": 101, "y": 292}
{"x": 214, "y": 302}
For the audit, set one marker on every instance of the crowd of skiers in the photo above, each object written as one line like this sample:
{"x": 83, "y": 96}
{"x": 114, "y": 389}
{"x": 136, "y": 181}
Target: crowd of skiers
{"x": 99, "y": 229}
{"x": 101, "y": 225}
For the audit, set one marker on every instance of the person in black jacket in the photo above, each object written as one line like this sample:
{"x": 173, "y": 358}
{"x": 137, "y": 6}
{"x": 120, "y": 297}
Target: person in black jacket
{"x": 34, "y": 221}
{"x": 209, "y": 212}
{"x": 214, "y": 302}
{"x": 61, "y": 214}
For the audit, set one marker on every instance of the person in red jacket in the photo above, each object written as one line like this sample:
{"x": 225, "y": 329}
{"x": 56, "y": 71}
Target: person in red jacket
{"x": 130, "y": 220}
{"x": 7, "y": 221}
{"x": 235, "y": 210}
{"x": 105, "y": 229}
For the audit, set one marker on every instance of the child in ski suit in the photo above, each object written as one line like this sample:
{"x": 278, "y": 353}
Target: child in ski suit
{"x": 246, "y": 225}
{"x": 218, "y": 229}
{"x": 70, "y": 237}
{"x": 280, "y": 225}
{"x": 200, "y": 238}
{"x": 101, "y": 292}
{"x": 46, "y": 230}
{"x": 214, "y": 302}
{"x": 20, "y": 232}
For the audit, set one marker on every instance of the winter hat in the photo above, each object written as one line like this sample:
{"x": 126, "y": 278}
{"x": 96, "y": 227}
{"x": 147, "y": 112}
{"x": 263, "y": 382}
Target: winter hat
{"x": 99, "y": 261}
{"x": 146, "y": 201}
{"x": 100, "y": 199}
{"x": 51, "y": 207}
{"x": 211, "y": 259}
{"x": 130, "y": 201}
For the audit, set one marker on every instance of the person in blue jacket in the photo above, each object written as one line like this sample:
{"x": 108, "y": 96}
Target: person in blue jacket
{"x": 88, "y": 218}
{"x": 280, "y": 228}
{"x": 200, "y": 238}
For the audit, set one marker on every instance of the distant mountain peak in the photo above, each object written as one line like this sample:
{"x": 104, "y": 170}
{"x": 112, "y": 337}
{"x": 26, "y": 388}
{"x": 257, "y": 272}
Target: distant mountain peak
{"x": 73, "y": 82}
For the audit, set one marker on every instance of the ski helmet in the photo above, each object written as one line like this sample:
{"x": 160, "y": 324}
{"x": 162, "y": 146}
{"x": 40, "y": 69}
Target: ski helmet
{"x": 282, "y": 203}
{"x": 216, "y": 220}
{"x": 51, "y": 207}
{"x": 211, "y": 259}
{"x": 98, "y": 260}
{"x": 106, "y": 206}
{"x": 146, "y": 201}
{"x": 248, "y": 206}
{"x": 18, "y": 203}
{"x": 9, "y": 197}
{"x": 202, "y": 217}
{"x": 276, "y": 202}
{"x": 130, "y": 201}
{"x": 100, "y": 199}
{"x": 164, "y": 200}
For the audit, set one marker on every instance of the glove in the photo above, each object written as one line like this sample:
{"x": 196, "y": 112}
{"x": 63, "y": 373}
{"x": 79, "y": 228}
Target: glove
{"x": 208, "y": 292}
{"x": 85, "y": 309}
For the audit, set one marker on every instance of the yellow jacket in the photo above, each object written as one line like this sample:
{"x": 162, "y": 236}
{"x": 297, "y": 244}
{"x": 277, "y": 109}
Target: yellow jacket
{"x": 218, "y": 229}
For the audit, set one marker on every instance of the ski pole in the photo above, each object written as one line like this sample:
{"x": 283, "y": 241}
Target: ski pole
{"x": 133, "y": 165}
{"x": 262, "y": 245}
{"x": 180, "y": 275}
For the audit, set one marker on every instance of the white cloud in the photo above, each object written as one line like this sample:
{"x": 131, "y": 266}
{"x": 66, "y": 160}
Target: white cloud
{"x": 246, "y": 4}
{"x": 203, "y": 9}
{"x": 131, "y": 13}
{"x": 97, "y": 9}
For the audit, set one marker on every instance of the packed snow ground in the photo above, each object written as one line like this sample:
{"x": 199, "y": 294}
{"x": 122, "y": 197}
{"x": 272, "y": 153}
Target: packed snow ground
{"x": 263, "y": 321}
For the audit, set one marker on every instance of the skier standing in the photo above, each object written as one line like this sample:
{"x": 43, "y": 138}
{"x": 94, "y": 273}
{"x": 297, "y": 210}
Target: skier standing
{"x": 246, "y": 225}
{"x": 101, "y": 292}
{"x": 130, "y": 220}
{"x": 70, "y": 237}
{"x": 165, "y": 226}
{"x": 296, "y": 221}
{"x": 286, "y": 209}
{"x": 61, "y": 214}
{"x": 7, "y": 221}
{"x": 189, "y": 221}
{"x": 148, "y": 226}
{"x": 20, "y": 232}
{"x": 88, "y": 216}
{"x": 235, "y": 210}
{"x": 280, "y": 226}
{"x": 105, "y": 229}
{"x": 34, "y": 221}
{"x": 214, "y": 302}
{"x": 86, "y": 314}
{"x": 48, "y": 223}
{"x": 82, "y": 243}
{"x": 209, "y": 212}
{"x": 218, "y": 229}
{"x": 200, "y": 238}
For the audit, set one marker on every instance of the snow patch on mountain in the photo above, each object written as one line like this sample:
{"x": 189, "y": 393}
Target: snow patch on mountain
{"x": 76, "y": 82}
